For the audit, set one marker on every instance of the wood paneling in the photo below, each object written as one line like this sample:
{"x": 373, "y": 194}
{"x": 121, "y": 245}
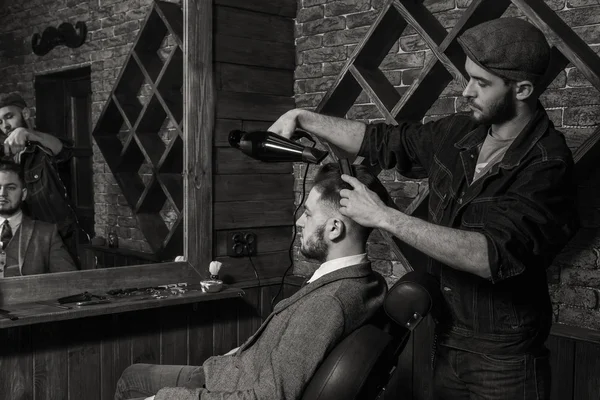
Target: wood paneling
{"x": 241, "y": 23}
{"x": 246, "y": 214}
{"x": 254, "y": 187}
{"x": 233, "y": 161}
{"x": 252, "y": 106}
{"x": 83, "y": 359}
{"x": 199, "y": 118}
{"x": 285, "y": 8}
{"x": 236, "y": 50}
{"x": 269, "y": 240}
{"x": 244, "y": 78}
{"x": 268, "y": 265}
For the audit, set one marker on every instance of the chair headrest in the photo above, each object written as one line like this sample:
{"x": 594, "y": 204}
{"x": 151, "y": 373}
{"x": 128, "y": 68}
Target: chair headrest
{"x": 414, "y": 296}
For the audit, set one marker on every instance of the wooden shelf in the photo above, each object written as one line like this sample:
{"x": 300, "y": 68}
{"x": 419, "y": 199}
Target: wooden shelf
{"x": 160, "y": 81}
{"x": 50, "y": 311}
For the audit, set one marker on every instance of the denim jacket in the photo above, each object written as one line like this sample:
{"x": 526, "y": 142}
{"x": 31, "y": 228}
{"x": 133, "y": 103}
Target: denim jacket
{"x": 524, "y": 205}
{"x": 47, "y": 198}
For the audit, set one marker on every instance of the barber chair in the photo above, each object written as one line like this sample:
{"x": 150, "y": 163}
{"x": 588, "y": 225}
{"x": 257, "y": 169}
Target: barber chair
{"x": 362, "y": 364}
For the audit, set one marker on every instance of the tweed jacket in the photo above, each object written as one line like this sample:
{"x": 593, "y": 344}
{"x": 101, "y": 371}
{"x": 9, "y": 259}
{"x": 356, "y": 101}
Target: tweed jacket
{"x": 41, "y": 249}
{"x": 279, "y": 360}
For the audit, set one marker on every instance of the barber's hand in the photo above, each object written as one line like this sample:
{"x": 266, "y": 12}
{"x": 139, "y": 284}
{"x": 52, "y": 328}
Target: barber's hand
{"x": 285, "y": 125}
{"x": 149, "y": 398}
{"x": 17, "y": 140}
{"x": 362, "y": 204}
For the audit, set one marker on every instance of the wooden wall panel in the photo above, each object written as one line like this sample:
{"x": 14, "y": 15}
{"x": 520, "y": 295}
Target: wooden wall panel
{"x": 16, "y": 364}
{"x": 84, "y": 358}
{"x": 268, "y": 265}
{"x": 244, "y": 78}
{"x": 254, "y": 187}
{"x": 285, "y": 8}
{"x": 233, "y": 161}
{"x": 272, "y": 239}
{"x": 246, "y": 51}
{"x": 247, "y": 214}
{"x": 236, "y": 22}
{"x": 562, "y": 359}
{"x": 252, "y": 106}
{"x": 587, "y": 371}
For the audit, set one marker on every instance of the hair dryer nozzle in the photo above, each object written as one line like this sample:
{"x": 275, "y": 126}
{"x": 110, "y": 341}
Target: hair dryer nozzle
{"x": 234, "y": 138}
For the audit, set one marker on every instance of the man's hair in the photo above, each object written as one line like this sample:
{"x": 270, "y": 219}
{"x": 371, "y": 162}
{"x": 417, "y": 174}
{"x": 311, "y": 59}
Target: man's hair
{"x": 329, "y": 183}
{"x": 12, "y": 99}
{"x": 11, "y": 166}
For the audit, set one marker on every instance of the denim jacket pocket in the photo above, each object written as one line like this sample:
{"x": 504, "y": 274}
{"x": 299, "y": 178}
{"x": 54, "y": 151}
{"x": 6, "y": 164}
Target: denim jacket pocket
{"x": 474, "y": 214}
{"x": 34, "y": 179}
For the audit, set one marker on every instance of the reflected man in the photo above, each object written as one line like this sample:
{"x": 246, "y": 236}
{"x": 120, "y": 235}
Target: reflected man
{"x": 28, "y": 247}
{"x": 38, "y": 152}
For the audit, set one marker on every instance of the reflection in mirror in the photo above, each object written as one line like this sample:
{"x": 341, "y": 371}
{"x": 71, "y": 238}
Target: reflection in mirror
{"x": 117, "y": 99}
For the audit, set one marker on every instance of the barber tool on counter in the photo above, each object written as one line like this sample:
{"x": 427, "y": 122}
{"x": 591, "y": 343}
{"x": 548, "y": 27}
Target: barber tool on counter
{"x": 214, "y": 284}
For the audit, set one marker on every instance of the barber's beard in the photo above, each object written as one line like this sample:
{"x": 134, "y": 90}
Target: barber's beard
{"x": 498, "y": 112}
{"x": 315, "y": 247}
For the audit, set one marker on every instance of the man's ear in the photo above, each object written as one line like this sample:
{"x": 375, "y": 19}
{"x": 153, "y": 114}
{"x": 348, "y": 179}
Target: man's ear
{"x": 23, "y": 194}
{"x": 335, "y": 229}
{"x": 27, "y": 117}
{"x": 524, "y": 90}
{"x": 26, "y": 112}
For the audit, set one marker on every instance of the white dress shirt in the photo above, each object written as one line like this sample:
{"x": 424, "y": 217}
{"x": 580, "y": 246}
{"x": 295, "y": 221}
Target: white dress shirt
{"x": 338, "y": 263}
{"x": 14, "y": 221}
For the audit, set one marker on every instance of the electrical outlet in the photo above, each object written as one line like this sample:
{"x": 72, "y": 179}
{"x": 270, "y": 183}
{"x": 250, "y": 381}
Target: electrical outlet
{"x": 241, "y": 244}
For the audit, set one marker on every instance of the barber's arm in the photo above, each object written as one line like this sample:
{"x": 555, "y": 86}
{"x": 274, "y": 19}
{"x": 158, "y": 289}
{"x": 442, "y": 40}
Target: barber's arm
{"x": 346, "y": 134}
{"x": 525, "y": 227}
{"x": 463, "y": 250}
{"x": 18, "y": 138}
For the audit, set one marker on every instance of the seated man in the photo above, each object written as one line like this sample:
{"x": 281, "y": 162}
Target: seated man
{"x": 27, "y": 247}
{"x": 279, "y": 360}
{"x": 37, "y": 152}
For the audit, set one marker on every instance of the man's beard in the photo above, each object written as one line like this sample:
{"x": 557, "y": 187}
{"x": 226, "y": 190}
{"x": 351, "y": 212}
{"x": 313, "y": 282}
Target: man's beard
{"x": 10, "y": 210}
{"x": 315, "y": 247}
{"x": 498, "y": 112}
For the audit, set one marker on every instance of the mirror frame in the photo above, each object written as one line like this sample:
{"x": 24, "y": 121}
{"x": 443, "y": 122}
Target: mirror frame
{"x": 198, "y": 128}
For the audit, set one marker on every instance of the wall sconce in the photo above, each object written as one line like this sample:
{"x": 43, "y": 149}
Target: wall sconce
{"x": 65, "y": 34}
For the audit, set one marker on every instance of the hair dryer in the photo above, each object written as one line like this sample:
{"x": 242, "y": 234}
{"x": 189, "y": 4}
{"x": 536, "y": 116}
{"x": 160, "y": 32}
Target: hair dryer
{"x": 269, "y": 147}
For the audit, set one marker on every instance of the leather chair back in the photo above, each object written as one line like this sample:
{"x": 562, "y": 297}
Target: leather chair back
{"x": 361, "y": 365}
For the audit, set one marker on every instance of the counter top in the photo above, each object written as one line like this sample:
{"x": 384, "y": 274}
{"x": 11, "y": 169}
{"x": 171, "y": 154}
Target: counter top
{"x": 50, "y": 311}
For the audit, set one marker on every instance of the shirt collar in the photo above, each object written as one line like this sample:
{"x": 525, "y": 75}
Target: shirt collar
{"x": 336, "y": 264}
{"x": 14, "y": 221}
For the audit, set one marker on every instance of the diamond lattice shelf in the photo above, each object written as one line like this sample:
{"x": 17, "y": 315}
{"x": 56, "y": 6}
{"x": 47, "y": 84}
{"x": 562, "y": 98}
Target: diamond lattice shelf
{"x": 139, "y": 130}
{"x": 362, "y": 73}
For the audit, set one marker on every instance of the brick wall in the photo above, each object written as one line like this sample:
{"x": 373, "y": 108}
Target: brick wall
{"x": 326, "y": 34}
{"x": 112, "y": 28}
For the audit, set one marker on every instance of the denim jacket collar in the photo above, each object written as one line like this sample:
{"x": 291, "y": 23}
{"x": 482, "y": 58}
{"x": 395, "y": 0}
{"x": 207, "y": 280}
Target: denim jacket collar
{"x": 523, "y": 143}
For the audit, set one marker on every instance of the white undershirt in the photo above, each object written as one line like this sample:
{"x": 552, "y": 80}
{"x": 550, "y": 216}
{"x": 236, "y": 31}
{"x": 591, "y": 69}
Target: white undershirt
{"x": 336, "y": 264}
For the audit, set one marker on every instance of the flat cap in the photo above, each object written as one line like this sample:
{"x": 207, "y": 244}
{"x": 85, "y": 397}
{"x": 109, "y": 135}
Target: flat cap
{"x": 12, "y": 99}
{"x": 511, "y": 48}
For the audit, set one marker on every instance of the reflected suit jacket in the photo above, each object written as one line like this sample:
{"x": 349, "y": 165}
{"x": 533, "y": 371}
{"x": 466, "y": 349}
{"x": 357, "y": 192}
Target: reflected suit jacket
{"x": 279, "y": 360}
{"x": 41, "y": 250}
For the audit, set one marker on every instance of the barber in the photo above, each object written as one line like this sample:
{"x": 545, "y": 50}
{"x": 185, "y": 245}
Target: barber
{"x": 38, "y": 153}
{"x": 501, "y": 206}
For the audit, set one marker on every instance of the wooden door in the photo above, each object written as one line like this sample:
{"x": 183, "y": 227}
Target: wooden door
{"x": 63, "y": 108}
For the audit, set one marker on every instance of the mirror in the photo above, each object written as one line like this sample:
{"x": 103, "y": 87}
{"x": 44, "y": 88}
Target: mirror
{"x": 124, "y": 113}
